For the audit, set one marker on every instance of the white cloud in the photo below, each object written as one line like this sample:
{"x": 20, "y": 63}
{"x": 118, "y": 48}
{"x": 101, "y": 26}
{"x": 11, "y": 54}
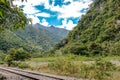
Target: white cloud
{"x": 29, "y": 5}
{"x": 67, "y": 25}
{"x": 65, "y": 11}
{"x": 71, "y": 10}
{"x": 35, "y": 19}
{"x": 30, "y": 2}
{"x": 28, "y": 9}
{"x": 70, "y": 25}
{"x": 43, "y": 14}
{"x": 44, "y": 22}
{"x": 68, "y": 1}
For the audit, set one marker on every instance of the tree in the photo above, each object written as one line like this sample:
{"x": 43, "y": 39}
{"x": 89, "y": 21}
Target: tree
{"x": 16, "y": 55}
{"x": 61, "y": 43}
{"x": 11, "y": 17}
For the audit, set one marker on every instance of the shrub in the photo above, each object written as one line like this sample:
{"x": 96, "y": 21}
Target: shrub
{"x": 23, "y": 65}
{"x": 100, "y": 70}
{"x": 75, "y": 49}
{"x": 63, "y": 66}
{"x": 16, "y": 55}
{"x": 20, "y": 64}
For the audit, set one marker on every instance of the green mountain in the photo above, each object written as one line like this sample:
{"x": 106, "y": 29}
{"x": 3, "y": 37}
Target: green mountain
{"x": 32, "y": 39}
{"x": 57, "y": 31}
{"x": 97, "y": 32}
{"x": 10, "y": 40}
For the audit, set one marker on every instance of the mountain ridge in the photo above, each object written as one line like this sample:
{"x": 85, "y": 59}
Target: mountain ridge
{"x": 53, "y": 29}
{"x": 32, "y": 39}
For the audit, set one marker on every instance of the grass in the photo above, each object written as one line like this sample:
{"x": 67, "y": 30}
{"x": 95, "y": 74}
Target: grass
{"x": 101, "y": 71}
{"x": 72, "y": 57}
{"x": 71, "y": 65}
{"x": 67, "y": 57}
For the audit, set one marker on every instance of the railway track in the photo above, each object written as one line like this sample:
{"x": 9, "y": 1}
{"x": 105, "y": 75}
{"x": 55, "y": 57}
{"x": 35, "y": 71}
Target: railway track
{"x": 34, "y": 75}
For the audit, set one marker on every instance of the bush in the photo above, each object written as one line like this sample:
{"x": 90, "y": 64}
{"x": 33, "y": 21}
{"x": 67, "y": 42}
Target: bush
{"x": 75, "y": 49}
{"x": 94, "y": 49}
{"x": 63, "y": 66}
{"x": 2, "y": 57}
{"x": 20, "y": 64}
{"x": 16, "y": 55}
{"x": 100, "y": 70}
{"x": 23, "y": 65}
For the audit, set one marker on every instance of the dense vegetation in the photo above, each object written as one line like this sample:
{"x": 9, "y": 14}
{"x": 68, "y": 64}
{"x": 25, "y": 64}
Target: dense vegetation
{"x": 11, "y": 17}
{"x": 41, "y": 36}
{"x": 57, "y": 31}
{"x": 16, "y": 55}
{"x": 98, "y": 31}
{"x": 32, "y": 38}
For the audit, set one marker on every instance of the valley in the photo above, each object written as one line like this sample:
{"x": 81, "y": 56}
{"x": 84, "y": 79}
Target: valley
{"x": 88, "y": 51}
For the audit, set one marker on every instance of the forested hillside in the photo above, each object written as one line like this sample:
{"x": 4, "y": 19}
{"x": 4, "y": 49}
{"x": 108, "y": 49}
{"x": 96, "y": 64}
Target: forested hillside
{"x": 54, "y": 30}
{"x": 98, "y": 31}
{"x": 31, "y": 39}
{"x": 10, "y": 40}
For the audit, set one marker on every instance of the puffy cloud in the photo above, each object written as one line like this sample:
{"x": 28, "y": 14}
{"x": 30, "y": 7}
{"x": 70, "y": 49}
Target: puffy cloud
{"x": 35, "y": 19}
{"x": 30, "y": 2}
{"x": 68, "y": 1}
{"x": 44, "y": 22}
{"x": 65, "y": 11}
{"x": 31, "y": 11}
{"x": 71, "y": 10}
{"x": 69, "y": 25}
{"x": 28, "y": 9}
{"x": 43, "y": 14}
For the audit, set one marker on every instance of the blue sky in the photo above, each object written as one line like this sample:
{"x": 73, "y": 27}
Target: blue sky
{"x": 60, "y": 13}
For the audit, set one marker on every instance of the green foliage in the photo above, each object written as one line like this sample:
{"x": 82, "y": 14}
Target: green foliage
{"x": 31, "y": 39}
{"x": 16, "y": 55}
{"x": 76, "y": 49}
{"x": 61, "y": 44}
{"x": 99, "y": 70}
{"x": 96, "y": 71}
{"x": 11, "y": 17}
{"x": 98, "y": 31}
{"x": 9, "y": 40}
{"x": 2, "y": 57}
{"x": 23, "y": 65}
{"x": 67, "y": 67}
{"x": 20, "y": 64}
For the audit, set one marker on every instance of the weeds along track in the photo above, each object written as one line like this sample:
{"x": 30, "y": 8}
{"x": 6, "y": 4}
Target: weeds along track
{"x": 34, "y": 75}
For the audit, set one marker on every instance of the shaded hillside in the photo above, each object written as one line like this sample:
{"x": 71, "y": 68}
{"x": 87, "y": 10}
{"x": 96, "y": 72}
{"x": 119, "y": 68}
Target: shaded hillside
{"x": 10, "y": 40}
{"x": 98, "y": 32}
{"x": 32, "y": 39}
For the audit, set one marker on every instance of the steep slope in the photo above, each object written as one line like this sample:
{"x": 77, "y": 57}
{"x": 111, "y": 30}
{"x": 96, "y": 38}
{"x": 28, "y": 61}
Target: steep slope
{"x": 32, "y": 39}
{"x": 98, "y": 32}
{"x": 10, "y": 40}
{"x": 36, "y": 36}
